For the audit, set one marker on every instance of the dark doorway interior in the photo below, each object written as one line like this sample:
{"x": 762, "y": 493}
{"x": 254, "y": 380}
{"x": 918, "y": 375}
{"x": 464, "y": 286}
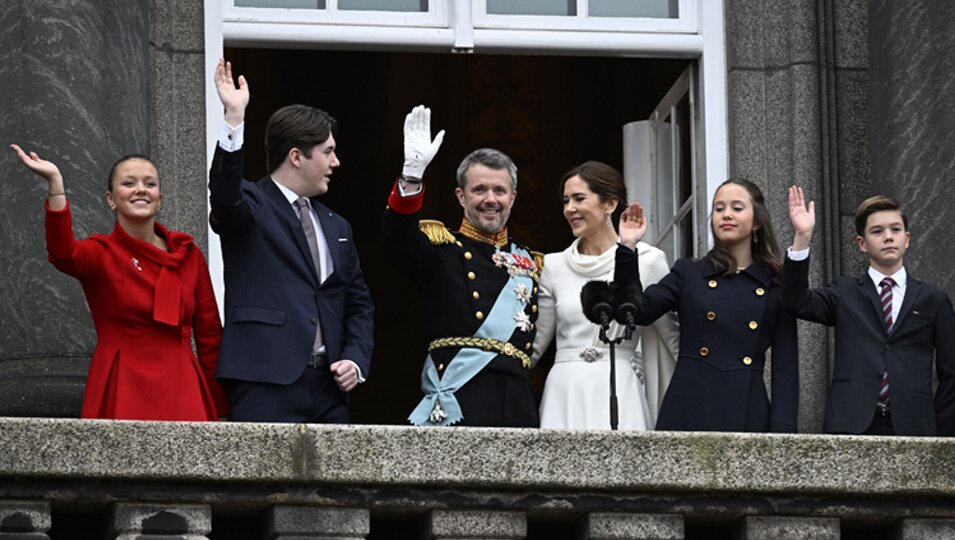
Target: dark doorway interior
{"x": 548, "y": 113}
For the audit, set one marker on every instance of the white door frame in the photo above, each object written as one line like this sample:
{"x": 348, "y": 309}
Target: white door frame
{"x": 707, "y": 46}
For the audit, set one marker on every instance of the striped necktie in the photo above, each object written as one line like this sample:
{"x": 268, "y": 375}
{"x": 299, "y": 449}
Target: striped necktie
{"x": 886, "y": 297}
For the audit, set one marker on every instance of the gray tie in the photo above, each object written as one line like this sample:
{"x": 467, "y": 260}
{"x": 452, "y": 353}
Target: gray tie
{"x": 304, "y": 209}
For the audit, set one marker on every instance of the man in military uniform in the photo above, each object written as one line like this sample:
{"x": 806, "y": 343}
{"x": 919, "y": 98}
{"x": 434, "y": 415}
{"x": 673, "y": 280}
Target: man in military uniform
{"x": 477, "y": 287}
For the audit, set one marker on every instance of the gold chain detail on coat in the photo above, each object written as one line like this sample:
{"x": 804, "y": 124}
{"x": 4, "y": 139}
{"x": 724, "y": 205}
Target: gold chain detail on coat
{"x": 485, "y": 344}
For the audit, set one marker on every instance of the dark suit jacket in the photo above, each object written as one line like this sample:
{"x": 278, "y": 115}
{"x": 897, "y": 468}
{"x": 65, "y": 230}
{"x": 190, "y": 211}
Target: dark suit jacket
{"x": 727, "y": 323}
{"x": 864, "y": 350}
{"x": 272, "y": 294}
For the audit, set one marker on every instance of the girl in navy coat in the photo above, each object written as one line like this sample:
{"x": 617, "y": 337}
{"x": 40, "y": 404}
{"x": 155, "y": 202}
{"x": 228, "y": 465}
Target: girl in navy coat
{"x": 730, "y": 314}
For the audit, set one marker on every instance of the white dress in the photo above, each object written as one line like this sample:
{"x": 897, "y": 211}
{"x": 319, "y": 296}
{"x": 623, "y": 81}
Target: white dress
{"x": 577, "y": 391}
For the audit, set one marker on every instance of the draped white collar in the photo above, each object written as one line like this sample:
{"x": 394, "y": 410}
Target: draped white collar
{"x": 590, "y": 265}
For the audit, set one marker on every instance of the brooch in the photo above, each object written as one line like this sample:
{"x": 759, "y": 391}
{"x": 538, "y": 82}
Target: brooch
{"x": 135, "y": 262}
{"x": 590, "y": 354}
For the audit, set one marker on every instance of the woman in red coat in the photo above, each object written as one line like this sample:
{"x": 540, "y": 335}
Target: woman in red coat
{"x": 149, "y": 294}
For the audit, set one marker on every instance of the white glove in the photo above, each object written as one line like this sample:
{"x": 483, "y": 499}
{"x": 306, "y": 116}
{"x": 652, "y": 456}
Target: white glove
{"x": 419, "y": 148}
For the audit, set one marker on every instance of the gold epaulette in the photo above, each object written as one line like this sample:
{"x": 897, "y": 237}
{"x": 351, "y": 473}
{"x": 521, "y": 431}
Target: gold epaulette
{"x": 538, "y": 258}
{"x": 436, "y": 231}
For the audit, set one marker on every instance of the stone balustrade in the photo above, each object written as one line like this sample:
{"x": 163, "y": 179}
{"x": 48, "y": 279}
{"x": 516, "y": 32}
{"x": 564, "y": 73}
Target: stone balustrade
{"x": 179, "y": 480}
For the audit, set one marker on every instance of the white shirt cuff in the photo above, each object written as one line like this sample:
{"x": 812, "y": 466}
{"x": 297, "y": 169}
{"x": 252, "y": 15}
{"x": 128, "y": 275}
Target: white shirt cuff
{"x": 231, "y": 138}
{"x": 797, "y": 254}
{"x": 361, "y": 378}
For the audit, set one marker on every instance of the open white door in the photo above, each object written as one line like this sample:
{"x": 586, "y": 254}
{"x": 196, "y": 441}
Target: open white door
{"x": 660, "y": 158}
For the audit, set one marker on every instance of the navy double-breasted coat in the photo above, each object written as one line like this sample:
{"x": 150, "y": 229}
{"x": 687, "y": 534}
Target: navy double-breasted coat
{"x": 727, "y": 324}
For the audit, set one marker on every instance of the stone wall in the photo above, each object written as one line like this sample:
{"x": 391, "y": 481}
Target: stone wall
{"x": 485, "y": 483}
{"x": 912, "y": 88}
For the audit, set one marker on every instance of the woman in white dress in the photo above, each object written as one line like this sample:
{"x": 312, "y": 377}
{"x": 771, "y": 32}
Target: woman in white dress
{"x": 577, "y": 390}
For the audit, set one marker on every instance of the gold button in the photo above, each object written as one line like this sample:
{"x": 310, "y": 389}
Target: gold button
{"x": 710, "y": 316}
{"x": 467, "y": 255}
{"x": 532, "y": 327}
{"x": 476, "y": 295}
{"x": 527, "y": 345}
{"x": 712, "y": 283}
{"x": 535, "y": 290}
{"x": 440, "y": 367}
{"x": 747, "y": 360}
{"x": 479, "y": 315}
{"x": 704, "y": 351}
{"x": 459, "y": 243}
{"x": 534, "y": 308}
{"x": 471, "y": 275}
{"x": 753, "y": 325}
{"x": 760, "y": 291}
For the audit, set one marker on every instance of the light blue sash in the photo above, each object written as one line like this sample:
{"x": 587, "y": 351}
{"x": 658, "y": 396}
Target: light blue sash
{"x": 439, "y": 391}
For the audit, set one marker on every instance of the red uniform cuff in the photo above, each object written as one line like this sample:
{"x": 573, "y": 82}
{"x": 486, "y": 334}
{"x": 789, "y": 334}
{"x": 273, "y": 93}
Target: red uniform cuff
{"x": 405, "y": 205}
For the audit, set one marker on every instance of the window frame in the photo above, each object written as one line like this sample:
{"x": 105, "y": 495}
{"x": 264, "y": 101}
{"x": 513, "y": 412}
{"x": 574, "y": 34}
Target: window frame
{"x": 446, "y": 28}
{"x": 686, "y": 23}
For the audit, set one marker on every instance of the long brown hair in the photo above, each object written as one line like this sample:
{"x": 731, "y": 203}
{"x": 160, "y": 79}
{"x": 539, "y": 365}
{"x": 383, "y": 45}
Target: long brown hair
{"x": 765, "y": 247}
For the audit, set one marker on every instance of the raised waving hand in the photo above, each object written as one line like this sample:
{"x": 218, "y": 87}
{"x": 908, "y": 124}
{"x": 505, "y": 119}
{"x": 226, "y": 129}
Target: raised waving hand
{"x": 802, "y": 216}
{"x": 49, "y": 172}
{"x": 420, "y": 148}
{"x": 234, "y": 98}
{"x": 633, "y": 226}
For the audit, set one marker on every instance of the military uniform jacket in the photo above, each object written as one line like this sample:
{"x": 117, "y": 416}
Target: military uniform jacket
{"x": 726, "y": 325}
{"x": 458, "y": 281}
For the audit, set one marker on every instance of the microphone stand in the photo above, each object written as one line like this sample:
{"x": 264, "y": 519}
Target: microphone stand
{"x": 611, "y": 344}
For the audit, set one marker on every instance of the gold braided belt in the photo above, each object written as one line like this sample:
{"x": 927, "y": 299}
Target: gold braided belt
{"x": 485, "y": 344}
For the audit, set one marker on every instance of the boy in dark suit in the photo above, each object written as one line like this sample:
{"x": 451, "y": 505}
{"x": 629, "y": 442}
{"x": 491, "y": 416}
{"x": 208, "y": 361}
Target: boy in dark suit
{"x": 889, "y": 328}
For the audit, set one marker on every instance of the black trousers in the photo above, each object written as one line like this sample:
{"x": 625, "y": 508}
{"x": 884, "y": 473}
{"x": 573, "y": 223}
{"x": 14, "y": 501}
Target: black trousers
{"x": 313, "y": 398}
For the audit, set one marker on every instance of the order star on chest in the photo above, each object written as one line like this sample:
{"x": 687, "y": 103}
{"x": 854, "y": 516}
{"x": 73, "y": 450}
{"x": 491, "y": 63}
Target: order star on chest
{"x": 522, "y": 321}
{"x": 516, "y": 265}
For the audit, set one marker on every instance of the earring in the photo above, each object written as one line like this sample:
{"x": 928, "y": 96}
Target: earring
{"x": 755, "y": 239}
{"x": 610, "y": 221}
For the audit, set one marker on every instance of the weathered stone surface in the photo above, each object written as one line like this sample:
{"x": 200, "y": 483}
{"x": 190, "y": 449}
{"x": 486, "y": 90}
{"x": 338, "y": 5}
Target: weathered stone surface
{"x": 925, "y": 529}
{"x": 477, "y": 457}
{"x": 185, "y": 522}
{"x": 29, "y": 519}
{"x": 608, "y": 526}
{"x": 912, "y": 112}
{"x": 790, "y": 528}
{"x": 286, "y": 522}
{"x": 479, "y": 524}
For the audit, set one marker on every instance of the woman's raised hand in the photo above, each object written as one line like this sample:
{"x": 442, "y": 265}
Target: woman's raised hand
{"x": 632, "y": 225}
{"x": 41, "y": 167}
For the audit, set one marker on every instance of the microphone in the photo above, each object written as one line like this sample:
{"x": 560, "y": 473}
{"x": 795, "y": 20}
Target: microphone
{"x": 628, "y": 301}
{"x": 596, "y": 298}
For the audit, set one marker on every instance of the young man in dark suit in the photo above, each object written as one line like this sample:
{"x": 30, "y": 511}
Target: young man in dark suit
{"x": 298, "y": 316}
{"x": 889, "y": 328}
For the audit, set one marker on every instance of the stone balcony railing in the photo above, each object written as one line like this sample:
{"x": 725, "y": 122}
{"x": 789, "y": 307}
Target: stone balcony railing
{"x": 93, "y": 479}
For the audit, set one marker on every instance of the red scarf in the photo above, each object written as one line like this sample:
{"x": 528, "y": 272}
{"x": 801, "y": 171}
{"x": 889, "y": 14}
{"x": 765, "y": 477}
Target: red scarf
{"x": 167, "y": 295}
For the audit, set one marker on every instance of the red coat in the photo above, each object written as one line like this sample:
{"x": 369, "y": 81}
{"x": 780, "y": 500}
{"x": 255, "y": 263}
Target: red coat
{"x": 146, "y": 304}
